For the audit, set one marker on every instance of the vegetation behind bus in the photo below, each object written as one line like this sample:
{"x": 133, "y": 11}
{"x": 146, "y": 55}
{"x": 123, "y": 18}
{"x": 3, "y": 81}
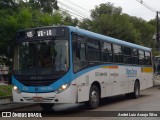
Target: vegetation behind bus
{"x": 111, "y": 22}
{"x": 6, "y": 90}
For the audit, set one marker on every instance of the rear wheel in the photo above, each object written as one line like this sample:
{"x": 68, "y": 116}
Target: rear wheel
{"x": 46, "y": 106}
{"x": 94, "y": 97}
{"x": 136, "y": 92}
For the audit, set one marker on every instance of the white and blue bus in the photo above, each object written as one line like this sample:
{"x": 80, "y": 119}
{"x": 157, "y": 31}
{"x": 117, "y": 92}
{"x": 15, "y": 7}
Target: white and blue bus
{"x": 66, "y": 64}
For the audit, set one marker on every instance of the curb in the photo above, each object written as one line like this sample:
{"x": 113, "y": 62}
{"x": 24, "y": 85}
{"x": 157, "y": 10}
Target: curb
{"x": 13, "y": 106}
{"x": 5, "y": 100}
{"x": 7, "y": 104}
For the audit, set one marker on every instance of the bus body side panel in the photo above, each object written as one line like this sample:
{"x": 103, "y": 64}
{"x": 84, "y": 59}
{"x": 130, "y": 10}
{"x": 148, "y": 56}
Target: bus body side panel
{"x": 150, "y": 80}
{"x": 132, "y": 74}
{"x": 85, "y": 79}
{"x": 146, "y": 77}
{"x": 113, "y": 80}
{"x": 116, "y": 79}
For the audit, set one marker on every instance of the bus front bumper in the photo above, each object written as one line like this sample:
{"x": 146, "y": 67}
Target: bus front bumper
{"x": 67, "y": 96}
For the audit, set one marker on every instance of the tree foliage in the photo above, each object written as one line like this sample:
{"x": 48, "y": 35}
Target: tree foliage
{"x": 44, "y": 5}
{"x": 26, "y": 14}
{"x": 105, "y": 8}
{"x": 109, "y": 20}
{"x": 145, "y": 29}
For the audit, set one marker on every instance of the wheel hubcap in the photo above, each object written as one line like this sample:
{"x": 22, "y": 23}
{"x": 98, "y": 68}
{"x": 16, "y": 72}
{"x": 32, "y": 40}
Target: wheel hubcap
{"x": 94, "y": 97}
{"x": 137, "y": 91}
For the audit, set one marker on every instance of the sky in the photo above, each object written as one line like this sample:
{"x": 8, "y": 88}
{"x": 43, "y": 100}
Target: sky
{"x": 131, "y": 7}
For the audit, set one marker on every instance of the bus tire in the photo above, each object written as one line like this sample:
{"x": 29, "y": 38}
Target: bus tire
{"x": 136, "y": 92}
{"x": 94, "y": 97}
{"x": 47, "y": 106}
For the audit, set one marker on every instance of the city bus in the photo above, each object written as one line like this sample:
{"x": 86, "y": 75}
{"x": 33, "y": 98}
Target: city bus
{"x": 65, "y": 64}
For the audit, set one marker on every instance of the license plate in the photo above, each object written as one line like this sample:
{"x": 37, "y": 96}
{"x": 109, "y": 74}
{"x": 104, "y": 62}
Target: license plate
{"x": 37, "y": 99}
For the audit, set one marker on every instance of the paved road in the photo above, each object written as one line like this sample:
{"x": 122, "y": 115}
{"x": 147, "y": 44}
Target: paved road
{"x": 148, "y": 101}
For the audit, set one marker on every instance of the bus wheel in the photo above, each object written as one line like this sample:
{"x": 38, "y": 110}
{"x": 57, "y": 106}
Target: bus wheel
{"x": 136, "y": 92}
{"x": 46, "y": 106}
{"x": 94, "y": 97}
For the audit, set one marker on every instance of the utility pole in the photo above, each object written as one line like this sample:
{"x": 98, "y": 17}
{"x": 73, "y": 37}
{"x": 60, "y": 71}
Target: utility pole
{"x": 158, "y": 33}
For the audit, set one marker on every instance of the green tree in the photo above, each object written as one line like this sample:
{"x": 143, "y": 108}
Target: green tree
{"x": 153, "y": 22}
{"x": 20, "y": 15}
{"x": 146, "y": 31}
{"x": 105, "y": 8}
{"x": 109, "y": 20}
{"x": 44, "y": 5}
{"x": 68, "y": 20}
{"x": 86, "y": 24}
{"x": 24, "y": 14}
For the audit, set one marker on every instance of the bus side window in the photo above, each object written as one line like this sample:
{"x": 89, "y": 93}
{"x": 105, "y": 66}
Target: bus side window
{"x": 79, "y": 52}
{"x": 127, "y": 55}
{"x": 107, "y": 52}
{"x": 147, "y": 58}
{"x": 118, "y": 56}
{"x": 135, "y": 57}
{"x": 141, "y": 57}
{"x": 94, "y": 53}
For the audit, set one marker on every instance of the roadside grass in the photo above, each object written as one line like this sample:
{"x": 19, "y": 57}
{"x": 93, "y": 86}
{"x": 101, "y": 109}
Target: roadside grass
{"x": 5, "y": 90}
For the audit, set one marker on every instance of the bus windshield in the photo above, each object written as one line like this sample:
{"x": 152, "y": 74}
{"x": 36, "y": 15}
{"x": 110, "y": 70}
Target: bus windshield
{"x": 42, "y": 57}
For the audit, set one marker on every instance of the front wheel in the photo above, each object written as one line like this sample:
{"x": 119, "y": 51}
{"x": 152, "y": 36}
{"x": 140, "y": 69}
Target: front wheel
{"x": 94, "y": 97}
{"x": 46, "y": 106}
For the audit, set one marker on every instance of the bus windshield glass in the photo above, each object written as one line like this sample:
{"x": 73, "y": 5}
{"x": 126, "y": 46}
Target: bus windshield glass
{"x": 43, "y": 57}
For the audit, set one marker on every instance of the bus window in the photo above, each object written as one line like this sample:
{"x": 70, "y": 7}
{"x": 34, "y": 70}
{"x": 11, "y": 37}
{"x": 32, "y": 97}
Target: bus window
{"x": 147, "y": 58}
{"x": 118, "y": 56}
{"x": 107, "y": 52}
{"x": 141, "y": 57}
{"x": 135, "y": 57}
{"x": 93, "y": 50}
{"x": 79, "y": 52}
{"x": 61, "y": 49}
{"x": 127, "y": 55}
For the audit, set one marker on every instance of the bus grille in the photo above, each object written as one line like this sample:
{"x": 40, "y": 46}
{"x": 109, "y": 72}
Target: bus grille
{"x": 39, "y": 81}
{"x": 36, "y": 82}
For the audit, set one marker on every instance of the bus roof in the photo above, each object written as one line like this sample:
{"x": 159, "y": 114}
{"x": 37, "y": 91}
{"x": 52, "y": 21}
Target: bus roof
{"x": 108, "y": 39}
{"x": 98, "y": 36}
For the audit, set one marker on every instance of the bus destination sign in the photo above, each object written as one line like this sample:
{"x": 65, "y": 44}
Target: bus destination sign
{"x": 41, "y": 33}
{"x": 45, "y": 32}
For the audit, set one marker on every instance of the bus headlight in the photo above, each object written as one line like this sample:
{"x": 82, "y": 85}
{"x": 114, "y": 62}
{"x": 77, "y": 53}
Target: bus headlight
{"x": 15, "y": 88}
{"x": 62, "y": 88}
